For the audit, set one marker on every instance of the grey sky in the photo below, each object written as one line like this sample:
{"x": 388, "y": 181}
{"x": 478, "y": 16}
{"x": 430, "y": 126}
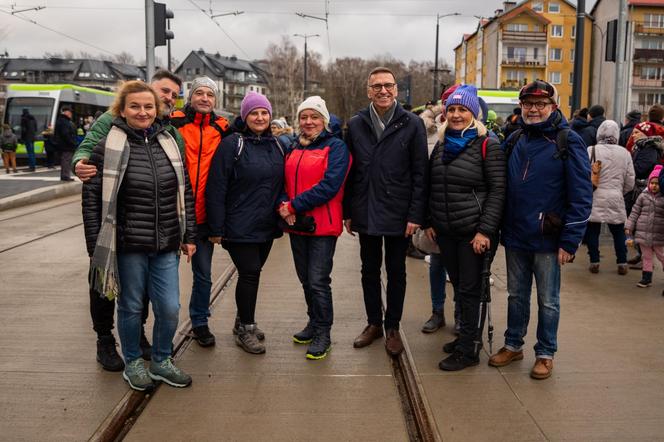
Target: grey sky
{"x": 363, "y": 28}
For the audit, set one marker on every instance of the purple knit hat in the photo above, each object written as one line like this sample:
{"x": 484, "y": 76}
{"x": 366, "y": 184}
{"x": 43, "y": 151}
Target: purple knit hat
{"x": 253, "y": 101}
{"x": 466, "y": 96}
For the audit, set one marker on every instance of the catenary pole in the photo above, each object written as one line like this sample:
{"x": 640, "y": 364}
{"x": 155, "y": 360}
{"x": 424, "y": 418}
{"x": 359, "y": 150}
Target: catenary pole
{"x": 619, "y": 88}
{"x": 149, "y": 39}
{"x": 578, "y": 55}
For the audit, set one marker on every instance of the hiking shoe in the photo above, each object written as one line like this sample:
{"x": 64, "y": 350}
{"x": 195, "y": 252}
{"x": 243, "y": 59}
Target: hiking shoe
{"x": 623, "y": 269}
{"x": 247, "y": 339}
{"x": 594, "y": 268}
{"x": 167, "y": 372}
{"x": 137, "y": 376}
{"x": 450, "y": 346}
{"x": 146, "y": 348}
{"x": 646, "y": 280}
{"x": 259, "y": 333}
{"x": 457, "y": 361}
{"x": 505, "y": 357}
{"x": 203, "y": 336}
{"x": 107, "y": 354}
{"x": 542, "y": 368}
{"x": 435, "y": 322}
{"x": 305, "y": 336}
{"x": 319, "y": 348}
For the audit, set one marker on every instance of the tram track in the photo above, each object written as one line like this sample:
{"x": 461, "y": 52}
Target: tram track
{"x": 123, "y": 416}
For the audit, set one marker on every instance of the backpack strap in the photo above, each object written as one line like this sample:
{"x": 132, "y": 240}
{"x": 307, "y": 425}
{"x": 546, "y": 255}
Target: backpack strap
{"x": 240, "y": 148}
{"x": 484, "y": 143}
{"x": 512, "y": 141}
{"x": 561, "y": 145}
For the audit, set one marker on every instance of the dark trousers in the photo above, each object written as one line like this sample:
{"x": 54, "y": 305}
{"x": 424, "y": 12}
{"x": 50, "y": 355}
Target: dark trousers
{"x": 249, "y": 259}
{"x": 465, "y": 270}
{"x": 65, "y": 164}
{"x": 592, "y": 241}
{"x": 313, "y": 256}
{"x": 102, "y": 311}
{"x": 371, "y": 253}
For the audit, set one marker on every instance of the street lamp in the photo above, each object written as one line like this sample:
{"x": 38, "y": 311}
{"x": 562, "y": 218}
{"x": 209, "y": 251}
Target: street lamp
{"x": 305, "y": 36}
{"x": 435, "y": 66}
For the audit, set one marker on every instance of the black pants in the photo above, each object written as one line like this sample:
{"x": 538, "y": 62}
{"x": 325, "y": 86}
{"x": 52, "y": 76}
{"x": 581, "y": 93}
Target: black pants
{"x": 102, "y": 311}
{"x": 465, "y": 270}
{"x": 371, "y": 253}
{"x": 249, "y": 259}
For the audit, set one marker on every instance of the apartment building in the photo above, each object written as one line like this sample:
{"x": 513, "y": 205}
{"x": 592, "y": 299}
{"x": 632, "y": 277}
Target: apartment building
{"x": 522, "y": 42}
{"x": 644, "y": 56}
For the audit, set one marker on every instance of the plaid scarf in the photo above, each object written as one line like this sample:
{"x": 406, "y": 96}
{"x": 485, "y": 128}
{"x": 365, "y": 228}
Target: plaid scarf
{"x": 104, "y": 263}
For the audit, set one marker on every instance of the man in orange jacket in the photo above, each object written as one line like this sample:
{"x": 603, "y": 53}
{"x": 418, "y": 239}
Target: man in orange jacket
{"x": 202, "y": 131}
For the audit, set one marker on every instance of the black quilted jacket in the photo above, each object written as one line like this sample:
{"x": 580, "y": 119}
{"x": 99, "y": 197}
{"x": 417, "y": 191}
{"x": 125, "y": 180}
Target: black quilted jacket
{"x": 146, "y": 213}
{"x": 467, "y": 194}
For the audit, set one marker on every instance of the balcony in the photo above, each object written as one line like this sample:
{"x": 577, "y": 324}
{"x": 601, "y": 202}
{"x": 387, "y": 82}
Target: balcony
{"x": 524, "y": 36}
{"x": 648, "y": 29}
{"x": 524, "y": 62}
{"x": 649, "y": 55}
{"x": 511, "y": 84}
{"x": 647, "y": 83}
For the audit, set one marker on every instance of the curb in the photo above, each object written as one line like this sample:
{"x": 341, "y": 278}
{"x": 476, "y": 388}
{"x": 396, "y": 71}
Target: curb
{"x": 40, "y": 195}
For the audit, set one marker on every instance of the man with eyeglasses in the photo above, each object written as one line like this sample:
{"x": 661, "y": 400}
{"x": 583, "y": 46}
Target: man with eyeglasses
{"x": 385, "y": 200}
{"x": 548, "y": 203}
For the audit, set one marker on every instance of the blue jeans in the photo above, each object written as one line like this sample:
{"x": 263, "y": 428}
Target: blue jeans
{"x": 30, "y": 149}
{"x": 156, "y": 274}
{"x": 313, "y": 256}
{"x": 201, "y": 266}
{"x": 592, "y": 241}
{"x": 437, "y": 276}
{"x": 521, "y": 266}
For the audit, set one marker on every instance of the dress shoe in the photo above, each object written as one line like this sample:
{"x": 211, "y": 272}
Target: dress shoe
{"x": 542, "y": 368}
{"x": 393, "y": 343}
{"x": 622, "y": 269}
{"x": 368, "y": 335}
{"x": 505, "y": 357}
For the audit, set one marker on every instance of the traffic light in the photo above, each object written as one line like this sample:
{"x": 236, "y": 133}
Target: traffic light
{"x": 162, "y": 31}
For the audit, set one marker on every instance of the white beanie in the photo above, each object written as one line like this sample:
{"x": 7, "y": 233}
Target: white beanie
{"x": 203, "y": 82}
{"x": 318, "y": 104}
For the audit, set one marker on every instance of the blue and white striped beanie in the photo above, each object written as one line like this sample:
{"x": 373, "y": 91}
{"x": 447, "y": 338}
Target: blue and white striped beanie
{"x": 466, "y": 96}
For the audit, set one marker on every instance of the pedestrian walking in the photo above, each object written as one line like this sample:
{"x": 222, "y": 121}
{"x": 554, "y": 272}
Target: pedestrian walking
{"x": 8, "y": 143}
{"x": 548, "y": 203}
{"x": 138, "y": 212}
{"x": 631, "y": 120}
{"x": 385, "y": 200}
{"x": 65, "y": 140}
{"x": 646, "y": 224}
{"x": 28, "y": 133}
{"x": 466, "y": 197}
{"x": 243, "y": 190}
{"x": 616, "y": 178}
{"x": 595, "y": 119}
{"x": 315, "y": 172}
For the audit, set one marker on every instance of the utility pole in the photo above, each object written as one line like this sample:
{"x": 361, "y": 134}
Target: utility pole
{"x": 436, "y": 95}
{"x": 619, "y": 86}
{"x": 149, "y": 39}
{"x": 579, "y": 44}
{"x": 306, "y": 37}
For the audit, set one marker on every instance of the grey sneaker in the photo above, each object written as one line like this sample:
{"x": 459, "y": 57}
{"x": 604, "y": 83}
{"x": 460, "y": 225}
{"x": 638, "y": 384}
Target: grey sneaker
{"x": 166, "y": 371}
{"x": 136, "y": 376}
{"x": 247, "y": 339}
{"x": 305, "y": 336}
{"x": 435, "y": 322}
{"x": 319, "y": 348}
{"x": 259, "y": 333}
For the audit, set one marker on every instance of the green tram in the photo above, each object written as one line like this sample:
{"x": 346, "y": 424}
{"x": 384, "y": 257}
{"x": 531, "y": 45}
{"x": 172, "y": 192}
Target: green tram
{"x": 44, "y": 102}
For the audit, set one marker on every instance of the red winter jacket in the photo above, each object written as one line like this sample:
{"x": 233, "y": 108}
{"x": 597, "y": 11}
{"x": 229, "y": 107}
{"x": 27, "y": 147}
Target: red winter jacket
{"x": 314, "y": 180}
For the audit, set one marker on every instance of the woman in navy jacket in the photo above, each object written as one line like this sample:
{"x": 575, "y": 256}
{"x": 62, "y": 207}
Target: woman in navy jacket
{"x": 243, "y": 190}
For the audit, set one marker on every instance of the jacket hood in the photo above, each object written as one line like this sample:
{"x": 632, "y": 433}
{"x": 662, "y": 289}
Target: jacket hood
{"x": 597, "y": 121}
{"x": 655, "y": 142}
{"x": 577, "y": 124}
{"x": 608, "y": 132}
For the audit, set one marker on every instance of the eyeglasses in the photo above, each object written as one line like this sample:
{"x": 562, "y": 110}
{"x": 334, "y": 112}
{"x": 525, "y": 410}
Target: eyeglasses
{"x": 539, "y": 105}
{"x": 379, "y": 87}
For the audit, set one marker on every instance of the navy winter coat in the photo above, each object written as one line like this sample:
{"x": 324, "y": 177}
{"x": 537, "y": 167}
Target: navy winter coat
{"x": 388, "y": 179}
{"x": 589, "y": 134}
{"x": 539, "y": 184}
{"x": 242, "y": 193}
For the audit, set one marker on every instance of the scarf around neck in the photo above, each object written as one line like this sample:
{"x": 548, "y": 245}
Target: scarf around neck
{"x": 105, "y": 278}
{"x": 456, "y": 142}
{"x": 380, "y": 123}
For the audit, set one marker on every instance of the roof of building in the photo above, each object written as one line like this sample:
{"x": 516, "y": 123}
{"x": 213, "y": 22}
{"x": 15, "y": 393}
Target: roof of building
{"x": 84, "y": 68}
{"x": 219, "y": 64}
{"x": 632, "y": 3}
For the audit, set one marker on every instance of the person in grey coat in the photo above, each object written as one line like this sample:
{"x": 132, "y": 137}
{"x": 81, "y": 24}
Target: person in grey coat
{"x": 615, "y": 180}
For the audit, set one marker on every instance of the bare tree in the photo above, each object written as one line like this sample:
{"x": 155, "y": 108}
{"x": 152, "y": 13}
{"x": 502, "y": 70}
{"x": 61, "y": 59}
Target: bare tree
{"x": 285, "y": 77}
{"x": 125, "y": 58}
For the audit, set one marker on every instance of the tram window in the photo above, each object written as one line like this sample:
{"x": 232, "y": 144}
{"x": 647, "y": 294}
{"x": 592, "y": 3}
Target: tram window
{"x": 40, "y": 108}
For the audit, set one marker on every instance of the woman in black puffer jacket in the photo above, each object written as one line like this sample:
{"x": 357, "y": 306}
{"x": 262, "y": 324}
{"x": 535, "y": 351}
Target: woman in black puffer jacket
{"x": 142, "y": 185}
{"x": 466, "y": 199}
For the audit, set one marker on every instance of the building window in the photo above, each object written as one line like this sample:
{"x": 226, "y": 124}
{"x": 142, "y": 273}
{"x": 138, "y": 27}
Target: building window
{"x": 554, "y": 77}
{"x": 517, "y": 27}
{"x": 573, "y": 31}
{"x": 516, "y": 54}
{"x": 554, "y": 8}
{"x": 650, "y": 43}
{"x": 556, "y": 30}
{"x": 514, "y": 75}
{"x": 538, "y": 7}
{"x": 198, "y": 71}
{"x": 571, "y": 78}
{"x": 651, "y": 73}
{"x": 571, "y": 55}
{"x": 555, "y": 54}
{"x": 188, "y": 71}
{"x": 653, "y": 20}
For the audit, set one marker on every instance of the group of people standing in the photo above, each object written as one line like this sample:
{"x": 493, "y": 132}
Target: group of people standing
{"x": 159, "y": 183}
